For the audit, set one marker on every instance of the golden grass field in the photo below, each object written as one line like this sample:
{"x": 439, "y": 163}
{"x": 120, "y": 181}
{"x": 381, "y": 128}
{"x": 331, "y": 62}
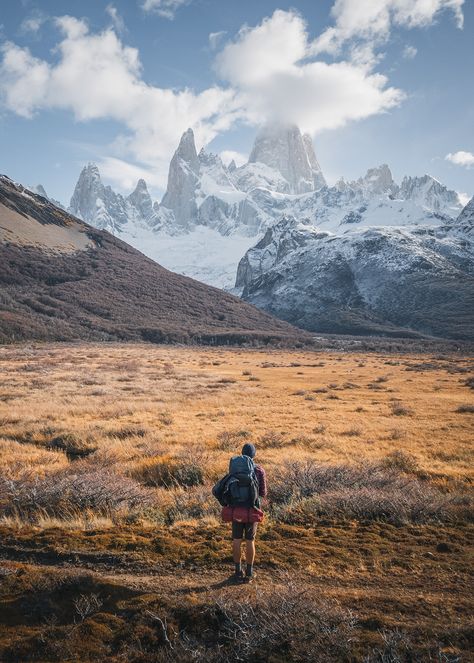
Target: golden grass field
{"x": 107, "y": 456}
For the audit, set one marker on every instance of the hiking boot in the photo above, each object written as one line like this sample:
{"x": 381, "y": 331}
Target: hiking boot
{"x": 237, "y": 577}
{"x": 248, "y": 579}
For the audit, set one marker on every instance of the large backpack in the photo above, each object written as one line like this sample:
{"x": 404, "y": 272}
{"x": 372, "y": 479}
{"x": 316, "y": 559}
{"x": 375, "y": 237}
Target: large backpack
{"x": 240, "y": 486}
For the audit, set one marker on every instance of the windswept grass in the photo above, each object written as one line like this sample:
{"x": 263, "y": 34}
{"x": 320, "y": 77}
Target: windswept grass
{"x": 107, "y": 457}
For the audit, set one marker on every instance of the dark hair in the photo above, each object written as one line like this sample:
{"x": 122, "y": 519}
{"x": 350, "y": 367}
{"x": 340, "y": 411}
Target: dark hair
{"x": 249, "y": 450}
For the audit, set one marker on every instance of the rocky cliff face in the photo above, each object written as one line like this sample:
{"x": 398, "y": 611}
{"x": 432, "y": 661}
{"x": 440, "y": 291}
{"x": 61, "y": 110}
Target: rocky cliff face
{"x": 141, "y": 200}
{"x": 371, "y": 280}
{"x": 183, "y": 176}
{"x": 105, "y": 209}
{"x": 286, "y": 151}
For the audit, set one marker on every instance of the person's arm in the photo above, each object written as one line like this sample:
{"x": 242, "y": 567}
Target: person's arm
{"x": 262, "y": 482}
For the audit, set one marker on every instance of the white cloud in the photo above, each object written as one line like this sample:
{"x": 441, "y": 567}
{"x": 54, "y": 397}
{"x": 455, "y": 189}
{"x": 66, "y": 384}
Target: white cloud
{"x": 125, "y": 175}
{"x": 215, "y": 38}
{"x": 117, "y": 20}
{"x": 373, "y": 20}
{"x": 461, "y": 158}
{"x": 231, "y": 155}
{"x": 409, "y": 52}
{"x": 164, "y": 8}
{"x": 33, "y": 23}
{"x": 270, "y": 68}
{"x": 154, "y": 117}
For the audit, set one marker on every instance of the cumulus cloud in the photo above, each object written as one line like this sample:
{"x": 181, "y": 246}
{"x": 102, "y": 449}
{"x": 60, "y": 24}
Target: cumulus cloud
{"x": 164, "y": 8}
{"x": 461, "y": 158}
{"x": 154, "y": 117}
{"x": 271, "y": 71}
{"x": 373, "y": 20}
{"x": 271, "y": 67}
{"x": 231, "y": 155}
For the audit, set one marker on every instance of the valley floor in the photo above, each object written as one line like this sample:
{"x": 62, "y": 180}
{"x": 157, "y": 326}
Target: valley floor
{"x": 111, "y": 547}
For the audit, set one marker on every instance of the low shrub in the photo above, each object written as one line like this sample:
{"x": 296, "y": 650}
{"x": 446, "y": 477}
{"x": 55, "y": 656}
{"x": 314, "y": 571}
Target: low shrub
{"x": 191, "y": 504}
{"x": 352, "y": 432}
{"x": 308, "y": 491}
{"x": 231, "y": 440}
{"x": 272, "y": 440}
{"x": 465, "y": 409}
{"x": 169, "y": 472}
{"x": 400, "y": 410}
{"x": 77, "y": 489}
{"x": 128, "y": 431}
{"x": 291, "y": 624}
{"x": 73, "y": 445}
{"x": 401, "y": 460}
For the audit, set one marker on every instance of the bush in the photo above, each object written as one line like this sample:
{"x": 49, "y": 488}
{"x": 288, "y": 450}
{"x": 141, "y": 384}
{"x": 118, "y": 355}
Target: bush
{"x": 272, "y": 440}
{"x": 289, "y": 623}
{"x": 190, "y": 504}
{"x": 465, "y": 409}
{"x": 169, "y": 473}
{"x": 307, "y": 491}
{"x": 400, "y": 410}
{"x": 401, "y": 460}
{"x": 229, "y": 440}
{"x": 75, "y": 490}
{"x": 73, "y": 445}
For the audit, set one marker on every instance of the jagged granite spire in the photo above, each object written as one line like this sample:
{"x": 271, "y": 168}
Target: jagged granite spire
{"x": 282, "y": 148}
{"x": 97, "y": 204}
{"x": 427, "y": 191}
{"x": 141, "y": 200}
{"x": 379, "y": 180}
{"x": 88, "y": 190}
{"x": 182, "y": 181}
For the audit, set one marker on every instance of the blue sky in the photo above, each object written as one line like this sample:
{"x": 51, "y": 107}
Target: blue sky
{"x": 118, "y": 82}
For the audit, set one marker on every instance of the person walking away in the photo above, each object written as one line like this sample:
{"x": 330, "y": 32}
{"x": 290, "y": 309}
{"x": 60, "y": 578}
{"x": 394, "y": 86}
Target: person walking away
{"x": 247, "y": 530}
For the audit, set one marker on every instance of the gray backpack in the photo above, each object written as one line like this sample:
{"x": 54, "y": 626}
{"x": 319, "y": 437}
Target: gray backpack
{"x": 242, "y": 483}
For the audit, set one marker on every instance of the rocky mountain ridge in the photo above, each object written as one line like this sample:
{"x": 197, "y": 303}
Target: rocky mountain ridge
{"x": 353, "y": 257}
{"x": 389, "y": 280}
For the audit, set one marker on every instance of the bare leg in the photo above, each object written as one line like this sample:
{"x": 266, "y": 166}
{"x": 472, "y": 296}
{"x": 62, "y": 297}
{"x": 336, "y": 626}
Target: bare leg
{"x": 236, "y": 550}
{"x": 249, "y": 552}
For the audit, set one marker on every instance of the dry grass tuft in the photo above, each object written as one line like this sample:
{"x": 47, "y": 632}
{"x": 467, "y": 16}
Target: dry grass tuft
{"x": 467, "y": 408}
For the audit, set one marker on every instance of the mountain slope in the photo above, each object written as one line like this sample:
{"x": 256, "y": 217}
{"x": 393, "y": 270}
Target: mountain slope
{"x": 371, "y": 280}
{"x": 61, "y": 279}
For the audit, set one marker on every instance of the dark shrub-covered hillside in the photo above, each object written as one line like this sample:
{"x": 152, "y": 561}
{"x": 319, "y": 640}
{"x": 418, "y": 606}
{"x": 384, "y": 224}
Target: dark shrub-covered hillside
{"x": 110, "y": 291}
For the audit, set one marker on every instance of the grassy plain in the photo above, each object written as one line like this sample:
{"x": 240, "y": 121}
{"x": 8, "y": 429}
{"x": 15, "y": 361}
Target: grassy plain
{"x": 111, "y": 547}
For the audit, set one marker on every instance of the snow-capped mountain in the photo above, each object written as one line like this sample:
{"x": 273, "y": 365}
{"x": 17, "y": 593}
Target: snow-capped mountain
{"x": 105, "y": 209}
{"x": 394, "y": 280}
{"x": 286, "y": 151}
{"x": 270, "y": 209}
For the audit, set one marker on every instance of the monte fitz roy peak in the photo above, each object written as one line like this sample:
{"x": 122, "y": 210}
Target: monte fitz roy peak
{"x": 203, "y": 191}
{"x": 211, "y": 214}
{"x": 369, "y": 255}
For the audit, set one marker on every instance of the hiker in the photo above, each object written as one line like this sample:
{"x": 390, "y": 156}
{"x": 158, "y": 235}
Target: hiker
{"x": 240, "y": 492}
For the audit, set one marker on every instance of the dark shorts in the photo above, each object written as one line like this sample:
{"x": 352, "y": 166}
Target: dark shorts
{"x": 244, "y": 530}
